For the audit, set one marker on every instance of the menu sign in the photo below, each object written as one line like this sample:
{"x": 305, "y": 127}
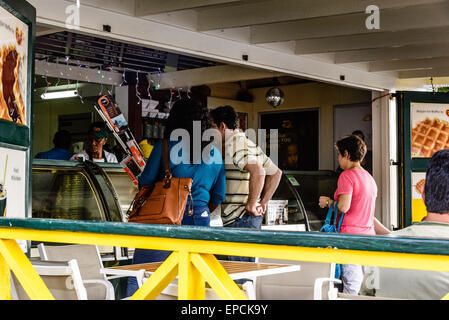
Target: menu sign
{"x": 13, "y": 68}
{"x": 430, "y": 129}
{"x": 12, "y": 185}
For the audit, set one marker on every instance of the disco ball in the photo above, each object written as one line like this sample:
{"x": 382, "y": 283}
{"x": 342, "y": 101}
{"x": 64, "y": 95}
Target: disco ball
{"x": 274, "y": 97}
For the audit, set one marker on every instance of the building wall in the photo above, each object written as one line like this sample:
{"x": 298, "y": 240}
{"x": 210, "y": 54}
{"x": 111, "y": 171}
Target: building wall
{"x": 46, "y": 119}
{"x": 302, "y": 96}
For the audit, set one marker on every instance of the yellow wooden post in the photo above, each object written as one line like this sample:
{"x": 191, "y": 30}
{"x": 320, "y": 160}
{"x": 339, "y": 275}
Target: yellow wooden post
{"x": 191, "y": 285}
{"x": 217, "y": 277}
{"x": 5, "y": 285}
{"x": 33, "y": 285}
{"x": 159, "y": 280}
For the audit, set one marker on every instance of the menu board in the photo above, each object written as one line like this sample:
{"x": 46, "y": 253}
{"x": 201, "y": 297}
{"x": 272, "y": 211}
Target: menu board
{"x": 13, "y": 68}
{"x": 419, "y": 210}
{"x": 430, "y": 129}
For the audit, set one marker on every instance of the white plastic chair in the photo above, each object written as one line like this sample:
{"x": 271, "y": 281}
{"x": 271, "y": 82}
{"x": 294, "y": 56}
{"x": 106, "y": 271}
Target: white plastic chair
{"x": 63, "y": 279}
{"x": 315, "y": 281}
{"x": 89, "y": 260}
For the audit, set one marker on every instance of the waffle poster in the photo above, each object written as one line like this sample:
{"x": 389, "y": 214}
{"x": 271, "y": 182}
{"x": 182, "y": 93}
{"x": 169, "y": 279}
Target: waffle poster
{"x": 13, "y": 68}
{"x": 430, "y": 129}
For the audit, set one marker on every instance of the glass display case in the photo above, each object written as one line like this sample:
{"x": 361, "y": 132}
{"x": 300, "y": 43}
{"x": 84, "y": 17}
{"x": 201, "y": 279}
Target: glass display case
{"x": 74, "y": 191}
{"x": 298, "y": 192}
{"x": 82, "y": 191}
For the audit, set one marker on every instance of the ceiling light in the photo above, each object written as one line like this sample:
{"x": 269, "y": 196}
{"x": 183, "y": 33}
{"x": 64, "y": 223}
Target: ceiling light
{"x": 59, "y": 94}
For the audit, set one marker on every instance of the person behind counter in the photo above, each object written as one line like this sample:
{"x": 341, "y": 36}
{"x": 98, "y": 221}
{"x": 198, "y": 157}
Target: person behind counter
{"x": 62, "y": 142}
{"x": 356, "y": 195}
{"x": 97, "y": 137}
{"x": 208, "y": 187}
{"x": 251, "y": 176}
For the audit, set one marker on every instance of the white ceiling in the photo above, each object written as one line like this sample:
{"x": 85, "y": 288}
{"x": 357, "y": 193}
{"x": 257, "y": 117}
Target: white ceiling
{"x": 315, "y": 39}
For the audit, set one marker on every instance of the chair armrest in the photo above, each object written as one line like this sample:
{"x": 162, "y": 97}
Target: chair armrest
{"x": 318, "y": 287}
{"x": 110, "y": 295}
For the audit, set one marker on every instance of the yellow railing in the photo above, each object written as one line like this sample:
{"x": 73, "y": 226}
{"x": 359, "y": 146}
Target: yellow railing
{"x": 193, "y": 260}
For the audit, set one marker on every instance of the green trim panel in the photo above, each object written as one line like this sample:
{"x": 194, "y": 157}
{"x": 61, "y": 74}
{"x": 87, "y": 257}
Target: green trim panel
{"x": 409, "y": 164}
{"x": 14, "y": 134}
{"x": 288, "y": 238}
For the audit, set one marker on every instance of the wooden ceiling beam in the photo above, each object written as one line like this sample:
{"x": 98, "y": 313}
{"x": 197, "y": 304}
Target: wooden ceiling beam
{"x": 147, "y": 8}
{"x": 413, "y": 64}
{"x": 416, "y": 17}
{"x": 211, "y": 75}
{"x": 272, "y": 11}
{"x": 425, "y": 73}
{"x": 372, "y": 40}
{"x": 385, "y": 54}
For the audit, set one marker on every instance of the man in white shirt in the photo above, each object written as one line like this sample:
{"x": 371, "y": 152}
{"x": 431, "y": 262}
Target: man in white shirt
{"x": 419, "y": 284}
{"x": 97, "y": 138}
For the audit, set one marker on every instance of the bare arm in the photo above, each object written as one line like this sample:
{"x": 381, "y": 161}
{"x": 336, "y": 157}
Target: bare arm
{"x": 271, "y": 184}
{"x": 256, "y": 183}
{"x": 344, "y": 202}
{"x": 379, "y": 228}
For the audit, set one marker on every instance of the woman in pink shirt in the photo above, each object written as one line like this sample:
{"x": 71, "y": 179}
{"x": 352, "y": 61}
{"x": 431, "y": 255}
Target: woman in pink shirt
{"x": 356, "y": 195}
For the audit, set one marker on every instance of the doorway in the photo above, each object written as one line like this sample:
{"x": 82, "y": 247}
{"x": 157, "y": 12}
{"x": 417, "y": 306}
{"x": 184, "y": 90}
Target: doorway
{"x": 349, "y": 118}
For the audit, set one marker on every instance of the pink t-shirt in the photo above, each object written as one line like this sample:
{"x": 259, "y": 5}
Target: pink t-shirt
{"x": 360, "y": 217}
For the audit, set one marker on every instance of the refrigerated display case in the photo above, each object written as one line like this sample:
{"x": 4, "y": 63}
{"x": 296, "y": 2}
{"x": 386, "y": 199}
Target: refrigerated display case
{"x": 104, "y": 192}
{"x": 82, "y": 191}
{"x": 301, "y": 190}
{"x": 73, "y": 190}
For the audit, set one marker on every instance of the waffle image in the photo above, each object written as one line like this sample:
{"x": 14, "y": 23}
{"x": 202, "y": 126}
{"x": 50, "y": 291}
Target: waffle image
{"x": 429, "y": 136}
{"x": 420, "y": 186}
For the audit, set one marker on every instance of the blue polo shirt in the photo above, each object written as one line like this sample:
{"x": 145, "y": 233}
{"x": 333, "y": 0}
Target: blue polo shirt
{"x": 209, "y": 181}
{"x": 54, "y": 154}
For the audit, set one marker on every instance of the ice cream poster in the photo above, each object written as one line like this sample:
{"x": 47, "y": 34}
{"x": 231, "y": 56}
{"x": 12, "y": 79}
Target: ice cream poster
{"x": 13, "y": 68}
{"x": 430, "y": 129}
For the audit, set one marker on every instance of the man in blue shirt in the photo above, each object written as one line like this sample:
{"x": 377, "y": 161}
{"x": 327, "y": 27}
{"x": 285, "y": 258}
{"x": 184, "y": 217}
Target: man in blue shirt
{"x": 62, "y": 141}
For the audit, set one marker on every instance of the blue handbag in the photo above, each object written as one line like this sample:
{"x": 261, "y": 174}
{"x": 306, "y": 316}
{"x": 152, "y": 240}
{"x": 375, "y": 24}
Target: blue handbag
{"x": 332, "y": 228}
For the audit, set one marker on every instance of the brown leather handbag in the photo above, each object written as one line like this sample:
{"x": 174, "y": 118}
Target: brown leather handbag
{"x": 163, "y": 202}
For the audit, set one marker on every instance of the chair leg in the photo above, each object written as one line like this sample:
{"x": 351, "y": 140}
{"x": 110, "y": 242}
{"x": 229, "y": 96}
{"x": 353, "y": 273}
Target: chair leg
{"x": 250, "y": 290}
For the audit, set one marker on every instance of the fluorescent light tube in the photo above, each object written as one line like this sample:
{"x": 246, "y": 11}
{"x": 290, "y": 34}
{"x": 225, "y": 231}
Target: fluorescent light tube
{"x": 59, "y": 94}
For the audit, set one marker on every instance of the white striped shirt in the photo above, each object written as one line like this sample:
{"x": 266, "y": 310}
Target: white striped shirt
{"x": 239, "y": 151}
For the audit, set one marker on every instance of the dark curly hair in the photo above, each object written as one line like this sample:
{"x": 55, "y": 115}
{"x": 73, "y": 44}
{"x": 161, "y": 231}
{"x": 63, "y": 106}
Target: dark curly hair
{"x": 354, "y": 145}
{"x": 225, "y": 114}
{"x": 182, "y": 115}
{"x": 436, "y": 190}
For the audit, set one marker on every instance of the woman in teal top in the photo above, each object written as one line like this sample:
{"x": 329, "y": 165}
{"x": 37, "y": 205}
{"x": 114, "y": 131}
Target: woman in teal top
{"x": 208, "y": 174}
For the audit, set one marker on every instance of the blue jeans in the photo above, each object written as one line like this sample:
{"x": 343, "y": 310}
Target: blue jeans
{"x": 247, "y": 221}
{"x": 200, "y": 217}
